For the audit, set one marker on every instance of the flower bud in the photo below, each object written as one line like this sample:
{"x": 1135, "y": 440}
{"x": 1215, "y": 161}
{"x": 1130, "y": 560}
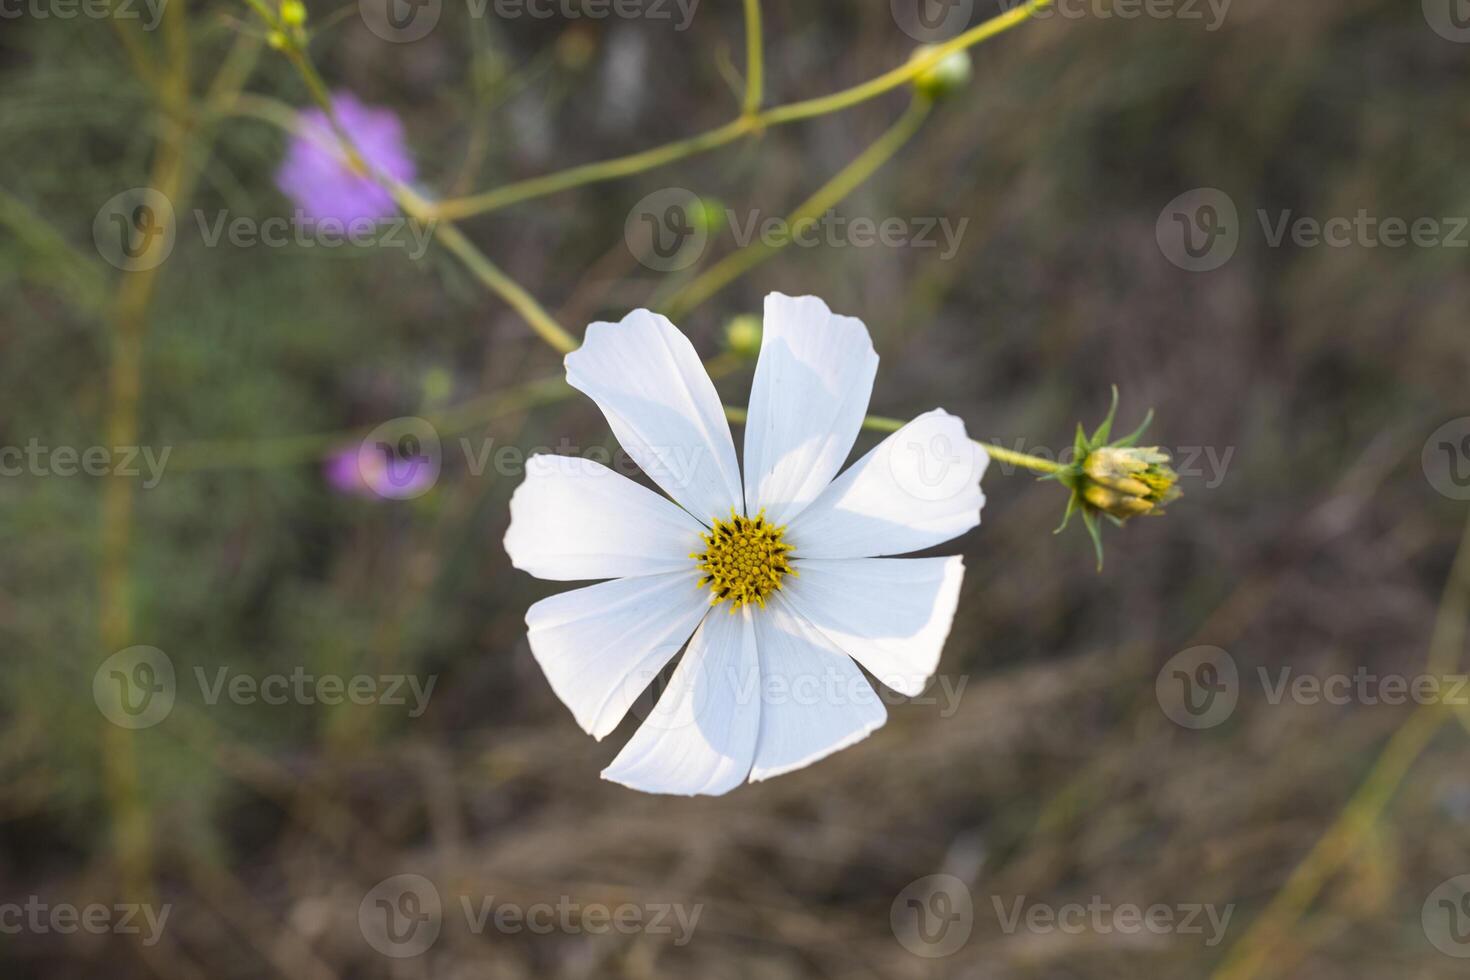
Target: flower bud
{"x": 949, "y": 75}
{"x": 743, "y": 335}
{"x": 1125, "y": 482}
{"x": 293, "y": 13}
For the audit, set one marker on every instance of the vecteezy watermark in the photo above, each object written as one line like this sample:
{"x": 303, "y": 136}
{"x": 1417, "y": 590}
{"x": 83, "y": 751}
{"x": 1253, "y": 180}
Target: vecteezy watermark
{"x": 670, "y": 230}
{"x": 138, "y": 687}
{"x": 1200, "y": 688}
{"x": 39, "y": 917}
{"x": 149, "y": 11}
{"x": 36, "y": 459}
{"x": 1100, "y": 917}
{"x": 1210, "y": 14}
{"x": 138, "y": 230}
{"x": 1446, "y": 458}
{"x": 301, "y": 231}
{"x": 1450, "y": 19}
{"x": 135, "y": 688}
{"x": 932, "y": 21}
{"x": 1208, "y": 463}
{"x": 931, "y": 461}
{"x": 135, "y": 229}
{"x": 933, "y": 916}
{"x": 1446, "y": 917}
{"x": 668, "y": 706}
{"x": 404, "y": 458}
{"x": 401, "y": 459}
{"x": 404, "y": 21}
{"x": 1200, "y": 230}
{"x": 403, "y": 916}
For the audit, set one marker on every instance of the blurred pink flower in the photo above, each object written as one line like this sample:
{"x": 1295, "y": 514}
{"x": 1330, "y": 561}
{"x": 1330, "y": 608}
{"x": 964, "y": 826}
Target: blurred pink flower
{"x": 365, "y": 471}
{"x": 317, "y": 177}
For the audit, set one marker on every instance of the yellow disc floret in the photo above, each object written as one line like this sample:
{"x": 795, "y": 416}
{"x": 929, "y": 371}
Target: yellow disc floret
{"x": 744, "y": 560}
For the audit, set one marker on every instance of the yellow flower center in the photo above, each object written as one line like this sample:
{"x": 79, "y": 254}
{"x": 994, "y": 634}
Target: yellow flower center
{"x": 744, "y": 560}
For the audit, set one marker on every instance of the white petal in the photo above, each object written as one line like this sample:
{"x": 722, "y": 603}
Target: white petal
{"x": 602, "y": 645}
{"x": 574, "y": 519}
{"x": 917, "y": 488}
{"x": 700, "y": 739}
{"x": 890, "y": 614}
{"x": 814, "y": 700}
{"x": 645, "y": 376}
{"x": 807, "y": 402}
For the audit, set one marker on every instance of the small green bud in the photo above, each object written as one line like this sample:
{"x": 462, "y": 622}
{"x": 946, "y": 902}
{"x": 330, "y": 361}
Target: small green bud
{"x": 1115, "y": 479}
{"x": 710, "y": 215}
{"x": 743, "y": 335}
{"x": 276, "y": 40}
{"x": 293, "y": 13}
{"x": 438, "y": 386}
{"x": 950, "y": 75}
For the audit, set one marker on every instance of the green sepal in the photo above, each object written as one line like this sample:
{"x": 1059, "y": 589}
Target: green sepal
{"x": 1095, "y": 533}
{"x": 1100, "y": 437}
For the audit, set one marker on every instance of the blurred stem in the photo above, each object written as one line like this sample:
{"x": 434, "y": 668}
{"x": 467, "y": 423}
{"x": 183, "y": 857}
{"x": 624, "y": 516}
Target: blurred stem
{"x": 495, "y": 280}
{"x": 750, "y": 122}
{"x": 754, "y": 58}
{"x": 1252, "y": 955}
{"x": 129, "y": 314}
{"x": 172, "y": 174}
{"x": 843, "y": 183}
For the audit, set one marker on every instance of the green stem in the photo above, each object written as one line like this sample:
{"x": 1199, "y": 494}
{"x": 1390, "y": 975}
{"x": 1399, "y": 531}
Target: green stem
{"x": 750, "y": 122}
{"x": 843, "y": 183}
{"x": 502, "y": 285}
{"x": 754, "y": 58}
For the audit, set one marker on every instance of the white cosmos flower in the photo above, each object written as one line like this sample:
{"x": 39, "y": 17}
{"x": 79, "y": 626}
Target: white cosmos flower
{"x": 779, "y": 580}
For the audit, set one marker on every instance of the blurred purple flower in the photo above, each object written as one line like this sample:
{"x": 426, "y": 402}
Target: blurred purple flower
{"x": 366, "y": 471}
{"x": 318, "y": 177}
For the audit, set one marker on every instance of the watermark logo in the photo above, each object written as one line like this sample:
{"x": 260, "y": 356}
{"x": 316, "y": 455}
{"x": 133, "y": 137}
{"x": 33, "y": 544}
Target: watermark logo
{"x": 138, "y": 688}
{"x": 929, "y": 462}
{"x": 1104, "y": 918}
{"x": 135, "y": 688}
{"x": 89, "y": 9}
{"x": 670, "y": 230}
{"x": 667, "y": 230}
{"x": 135, "y": 230}
{"x": 1446, "y": 917}
{"x": 401, "y": 916}
{"x": 401, "y": 458}
{"x": 930, "y": 21}
{"x": 1446, "y": 459}
{"x": 1198, "y": 688}
{"x": 1450, "y": 19}
{"x": 40, "y": 917}
{"x": 1199, "y": 230}
{"x": 1210, "y": 13}
{"x": 405, "y": 21}
{"x": 40, "y": 460}
{"x": 400, "y": 21}
{"x": 301, "y": 231}
{"x": 933, "y": 916}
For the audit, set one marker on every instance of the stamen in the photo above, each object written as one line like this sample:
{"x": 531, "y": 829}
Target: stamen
{"x": 744, "y": 560}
